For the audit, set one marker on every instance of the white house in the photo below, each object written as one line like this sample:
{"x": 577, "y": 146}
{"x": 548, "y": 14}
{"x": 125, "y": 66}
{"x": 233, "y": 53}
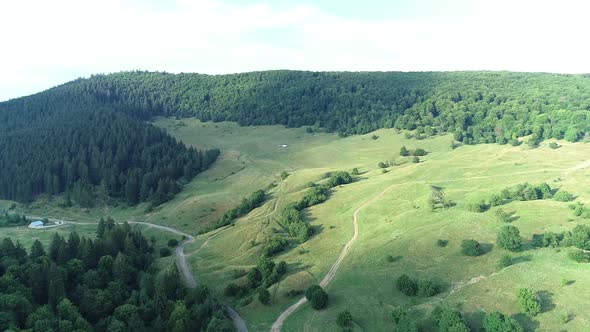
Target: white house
{"x": 36, "y": 224}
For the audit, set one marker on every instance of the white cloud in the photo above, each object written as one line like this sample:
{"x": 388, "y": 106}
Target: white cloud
{"x": 49, "y": 42}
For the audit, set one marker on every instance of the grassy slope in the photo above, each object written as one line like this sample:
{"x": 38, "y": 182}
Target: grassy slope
{"x": 397, "y": 224}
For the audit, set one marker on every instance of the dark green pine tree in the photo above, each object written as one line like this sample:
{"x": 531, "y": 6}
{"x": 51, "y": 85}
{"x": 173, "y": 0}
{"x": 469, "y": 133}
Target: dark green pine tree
{"x": 37, "y": 250}
{"x": 56, "y": 286}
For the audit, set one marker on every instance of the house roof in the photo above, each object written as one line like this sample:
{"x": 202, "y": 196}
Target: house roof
{"x": 37, "y": 223}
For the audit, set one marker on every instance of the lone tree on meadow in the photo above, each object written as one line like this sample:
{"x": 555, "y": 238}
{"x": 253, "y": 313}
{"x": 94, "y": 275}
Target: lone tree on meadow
{"x": 344, "y": 319}
{"x": 317, "y": 297}
{"x": 404, "y": 152}
{"x": 529, "y": 302}
{"x": 471, "y": 248}
{"x": 509, "y": 238}
{"x": 419, "y": 152}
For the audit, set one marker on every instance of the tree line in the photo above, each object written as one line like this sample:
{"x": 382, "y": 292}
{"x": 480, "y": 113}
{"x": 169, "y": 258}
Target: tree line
{"x": 108, "y": 283}
{"x": 12, "y": 219}
{"x": 477, "y": 107}
{"x": 246, "y": 205}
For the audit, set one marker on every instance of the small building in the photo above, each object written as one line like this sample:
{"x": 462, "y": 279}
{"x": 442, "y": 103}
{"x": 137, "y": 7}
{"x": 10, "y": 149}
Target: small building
{"x": 284, "y": 145}
{"x": 37, "y": 224}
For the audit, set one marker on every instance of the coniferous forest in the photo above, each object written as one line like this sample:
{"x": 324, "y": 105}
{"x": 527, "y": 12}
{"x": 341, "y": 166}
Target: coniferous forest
{"x": 59, "y": 141}
{"x": 89, "y": 138}
{"x": 104, "y": 284}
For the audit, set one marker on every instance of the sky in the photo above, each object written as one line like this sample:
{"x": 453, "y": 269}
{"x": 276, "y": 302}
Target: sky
{"x": 46, "y": 43}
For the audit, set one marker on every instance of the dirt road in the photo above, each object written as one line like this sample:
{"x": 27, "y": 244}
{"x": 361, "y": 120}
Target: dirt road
{"x": 187, "y": 274}
{"x": 278, "y": 324}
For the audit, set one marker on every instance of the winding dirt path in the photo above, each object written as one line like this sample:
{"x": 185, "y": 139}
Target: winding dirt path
{"x": 278, "y": 324}
{"x": 187, "y": 274}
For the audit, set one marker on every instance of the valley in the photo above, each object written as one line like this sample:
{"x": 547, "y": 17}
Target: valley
{"x": 395, "y": 222}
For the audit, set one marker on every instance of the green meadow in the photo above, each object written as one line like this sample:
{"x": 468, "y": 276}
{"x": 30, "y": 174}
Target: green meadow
{"x": 398, "y": 224}
{"x": 398, "y": 232}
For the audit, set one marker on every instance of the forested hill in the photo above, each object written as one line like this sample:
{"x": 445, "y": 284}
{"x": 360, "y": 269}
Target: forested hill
{"x": 88, "y": 138}
{"x": 475, "y": 106}
{"x": 65, "y": 141}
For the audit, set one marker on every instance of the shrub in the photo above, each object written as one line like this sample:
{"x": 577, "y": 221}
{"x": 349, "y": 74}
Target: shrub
{"x": 498, "y": 322}
{"x": 563, "y": 196}
{"x": 389, "y": 258}
{"x": 426, "y": 288}
{"x": 281, "y": 268}
{"x": 509, "y": 238}
{"x": 553, "y": 145}
{"x": 405, "y": 324}
{"x": 317, "y": 297}
{"x": 502, "y": 215}
{"x": 165, "y": 252}
{"x": 579, "y": 256}
{"x": 344, "y": 319}
{"x": 284, "y": 175}
{"x": 397, "y": 313}
{"x": 442, "y": 243}
{"x": 565, "y": 318}
{"x": 264, "y": 296}
{"x": 254, "y": 278}
{"x": 478, "y": 207}
{"x": 374, "y": 137}
{"x": 355, "y": 171}
{"x": 496, "y": 200}
{"x": 528, "y": 301}
{"x": 532, "y": 143}
{"x": 274, "y": 245}
{"x": 449, "y": 319}
{"x": 172, "y": 243}
{"x": 505, "y": 261}
{"x": 471, "y": 248}
{"x": 406, "y": 285}
{"x": 419, "y": 152}
{"x": 339, "y": 178}
{"x": 551, "y": 239}
{"x": 248, "y": 204}
{"x": 415, "y": 160}
{"x": 404, "y": 152}
{"x": 382, "y": 165}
